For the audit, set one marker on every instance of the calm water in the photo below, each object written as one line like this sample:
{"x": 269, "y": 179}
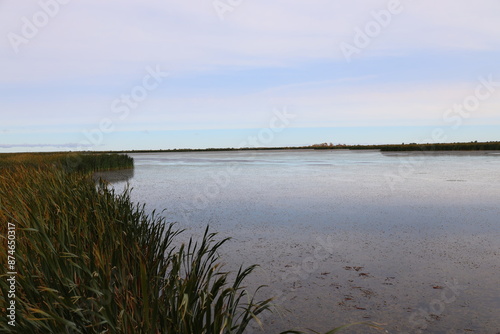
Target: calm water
{"x": 408, "y": 240}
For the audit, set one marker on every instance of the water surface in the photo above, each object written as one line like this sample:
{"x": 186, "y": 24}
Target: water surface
{"x": 408, "y": 240}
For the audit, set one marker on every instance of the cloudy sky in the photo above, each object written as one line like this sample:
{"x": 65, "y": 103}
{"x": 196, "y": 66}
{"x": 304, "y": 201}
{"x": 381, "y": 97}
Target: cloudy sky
{"x": 151, "y": 74}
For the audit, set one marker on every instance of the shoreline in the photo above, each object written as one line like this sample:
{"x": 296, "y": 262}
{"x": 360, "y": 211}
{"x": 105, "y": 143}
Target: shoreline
{"x": 411, "y": 147}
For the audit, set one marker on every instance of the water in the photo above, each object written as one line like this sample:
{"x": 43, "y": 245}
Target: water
{"x": 408, "y": 240}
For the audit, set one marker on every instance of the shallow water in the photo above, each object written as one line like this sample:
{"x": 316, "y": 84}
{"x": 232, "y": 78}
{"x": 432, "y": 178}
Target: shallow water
{"x": 408, "y": 240}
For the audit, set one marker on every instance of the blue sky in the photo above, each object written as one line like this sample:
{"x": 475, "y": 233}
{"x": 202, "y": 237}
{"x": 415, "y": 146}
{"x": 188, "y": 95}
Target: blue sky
{"x": 224, "y": 68}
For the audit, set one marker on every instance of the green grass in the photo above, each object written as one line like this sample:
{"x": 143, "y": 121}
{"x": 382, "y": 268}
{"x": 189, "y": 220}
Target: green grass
{"x": 91, "y": 261}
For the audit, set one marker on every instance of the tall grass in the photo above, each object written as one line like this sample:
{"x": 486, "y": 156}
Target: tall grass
{"x": 70, "y": 162}
{"x": 90, "y": 261}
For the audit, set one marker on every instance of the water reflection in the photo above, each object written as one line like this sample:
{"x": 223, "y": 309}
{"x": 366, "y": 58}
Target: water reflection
{"x": 441, "y": 153}
{"x": 123, "y": 175}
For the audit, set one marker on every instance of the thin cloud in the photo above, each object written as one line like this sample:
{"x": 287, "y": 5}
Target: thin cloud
{"x": 191, "y": 38}
{"x": 66, "y": 78}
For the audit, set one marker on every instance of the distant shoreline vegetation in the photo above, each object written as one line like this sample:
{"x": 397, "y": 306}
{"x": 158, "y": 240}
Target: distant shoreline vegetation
{"x": 470, "y": 146}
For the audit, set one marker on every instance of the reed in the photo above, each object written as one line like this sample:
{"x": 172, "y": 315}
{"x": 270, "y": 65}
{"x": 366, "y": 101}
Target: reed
{"x": 91, "y": 261}
{"x": 70, "y": 162}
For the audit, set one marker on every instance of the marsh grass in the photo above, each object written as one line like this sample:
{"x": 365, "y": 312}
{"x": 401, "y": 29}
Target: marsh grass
{"x": 91, "y": 261}
{"x": 70, "y": 161}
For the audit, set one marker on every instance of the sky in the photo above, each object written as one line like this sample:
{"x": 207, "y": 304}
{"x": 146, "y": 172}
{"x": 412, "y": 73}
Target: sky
{"x": 164, "y": 74}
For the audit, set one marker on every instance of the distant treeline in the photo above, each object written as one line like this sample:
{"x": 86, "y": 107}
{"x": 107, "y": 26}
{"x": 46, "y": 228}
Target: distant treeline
{"x": 74, "y": 162}
{"x": 119, "y": 159}
{"x": 472, "y": 146}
